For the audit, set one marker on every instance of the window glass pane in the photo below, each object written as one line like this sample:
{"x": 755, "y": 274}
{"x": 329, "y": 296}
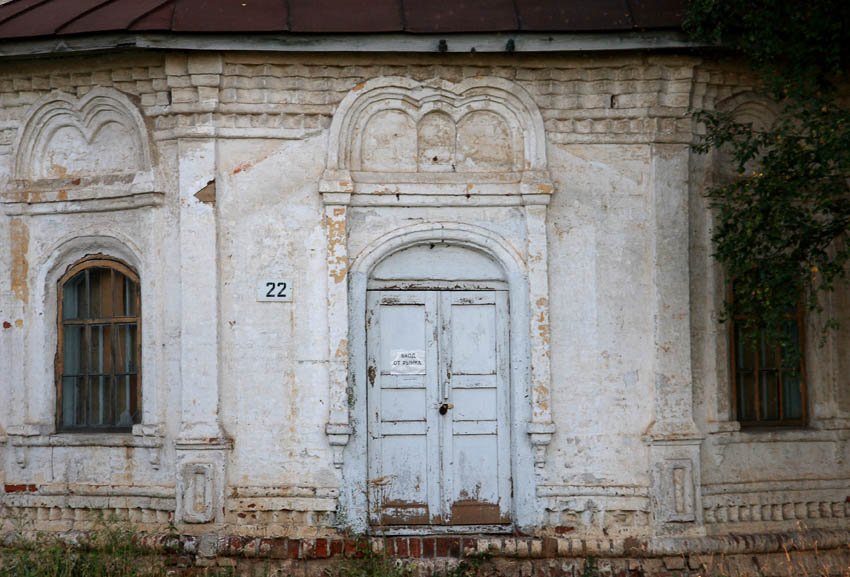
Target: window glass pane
{"x": 744, "y": 353}
{"x": 769, "y": 398}
{"x": 100, "y": 350}
{"x": 767, "y": 354}
{"x": 125, "y": 296}
{"x": 73, "y": 359}
{"x": 95, "y": 394}
{"x": 81, "y": 412}
{"x": 746, "y": 396}
{"x": 125, "y": 354}
{"x": 792, "y": 399}
{"x": 70, "y": 400}
{"x": 126, "y": 393}
{"x": 74, "y": 297}
{"x": 101, "y": 400}
{"x": 791, "y": 351}
{"x": 100, "y": 289}
{"x": 135, "y": 396}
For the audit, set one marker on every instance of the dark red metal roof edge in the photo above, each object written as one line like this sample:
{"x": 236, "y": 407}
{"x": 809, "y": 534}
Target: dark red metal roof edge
{"x": 29, "y": 18}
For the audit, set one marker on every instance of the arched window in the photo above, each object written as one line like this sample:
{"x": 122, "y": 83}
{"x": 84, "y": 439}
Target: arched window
{"x": 97, "y": 364}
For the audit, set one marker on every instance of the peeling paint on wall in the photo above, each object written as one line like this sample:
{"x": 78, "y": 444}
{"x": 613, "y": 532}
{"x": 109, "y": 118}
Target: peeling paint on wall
{"x": 207, "y": 193}
{"x": 19, "y": 243}
{"x": 542, "y": 320}
{"x": 337, "y": 258}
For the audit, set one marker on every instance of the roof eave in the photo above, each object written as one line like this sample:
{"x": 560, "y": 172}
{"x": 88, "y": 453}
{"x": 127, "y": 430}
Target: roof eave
{"x": 490, "y": 42}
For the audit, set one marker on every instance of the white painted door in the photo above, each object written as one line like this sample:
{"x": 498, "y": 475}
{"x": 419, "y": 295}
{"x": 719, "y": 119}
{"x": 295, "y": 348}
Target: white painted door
{"x": 439, "y": 444}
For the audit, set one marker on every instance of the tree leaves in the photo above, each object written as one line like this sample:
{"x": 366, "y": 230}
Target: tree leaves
{"x": 782, "y": 224}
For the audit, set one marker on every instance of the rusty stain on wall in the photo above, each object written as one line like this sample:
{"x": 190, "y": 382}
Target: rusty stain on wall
{"x": 19, "y": 243}
{"x": 248, "y": 164}
{"x": 57, "y": 170}
{"x": 542, "y": 392}
{"x": 542, "y": 321}
{"x": 385, "y": 190}
{"x": 342, "y": 349}
{"x": 243, "y": 166}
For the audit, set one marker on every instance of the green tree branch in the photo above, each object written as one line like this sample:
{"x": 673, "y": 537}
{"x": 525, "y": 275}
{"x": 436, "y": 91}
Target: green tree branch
{"x": 781, "y": 225}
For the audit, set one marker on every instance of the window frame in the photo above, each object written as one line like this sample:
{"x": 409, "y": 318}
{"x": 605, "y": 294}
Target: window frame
{"x": 758, "y": 422}
{"x": 114, "y": 264}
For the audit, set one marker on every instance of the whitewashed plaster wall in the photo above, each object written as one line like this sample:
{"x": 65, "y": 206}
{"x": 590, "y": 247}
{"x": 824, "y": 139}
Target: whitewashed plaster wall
{"x": 247, "y": 387}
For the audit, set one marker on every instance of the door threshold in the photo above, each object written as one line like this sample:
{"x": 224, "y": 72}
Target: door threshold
{"x": 418, "y": 530}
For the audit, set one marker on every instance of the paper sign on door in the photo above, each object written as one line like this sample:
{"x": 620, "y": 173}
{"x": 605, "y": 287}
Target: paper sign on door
{"x": 408, "y": 362}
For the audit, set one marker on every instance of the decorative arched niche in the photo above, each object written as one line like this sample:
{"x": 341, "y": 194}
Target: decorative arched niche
{"x": 36, "y": 424}
{"x": 745, "y": 108}
{"x": 87, "y": 148}
{"x": 483, "y": 136}
{"x": 396, "y": 144}
{"x": 760, "y": 112}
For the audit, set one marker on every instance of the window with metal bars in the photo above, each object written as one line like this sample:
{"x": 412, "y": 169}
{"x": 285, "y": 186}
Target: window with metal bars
{"x": 97, "y": 362}
{"x": 768, "y": 381}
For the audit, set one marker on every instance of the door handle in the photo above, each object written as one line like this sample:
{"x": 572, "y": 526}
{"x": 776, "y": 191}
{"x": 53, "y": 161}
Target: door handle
{"x": 444, "y": 408}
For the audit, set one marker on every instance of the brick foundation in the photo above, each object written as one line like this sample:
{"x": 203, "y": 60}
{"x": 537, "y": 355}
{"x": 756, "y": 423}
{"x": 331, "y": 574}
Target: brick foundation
{"x": 822, "y": 553}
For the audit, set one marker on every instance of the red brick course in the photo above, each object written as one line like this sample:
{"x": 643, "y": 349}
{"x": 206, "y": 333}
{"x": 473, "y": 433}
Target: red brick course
{"x": 294, "y": 548}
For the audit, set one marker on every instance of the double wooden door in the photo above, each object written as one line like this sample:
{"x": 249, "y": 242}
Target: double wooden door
{"x": 438, "y": 407}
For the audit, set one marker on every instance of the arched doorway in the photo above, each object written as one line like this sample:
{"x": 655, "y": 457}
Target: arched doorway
{"x": 438, "y": 388}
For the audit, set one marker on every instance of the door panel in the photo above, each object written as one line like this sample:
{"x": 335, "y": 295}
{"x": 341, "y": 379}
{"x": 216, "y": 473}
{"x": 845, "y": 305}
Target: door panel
{"x": 476, "y": 454}
{"x": 402, "y": 432}
{"x": 473, "y": 334}
{"x": 475, "y": 487}
{"x": 428, "y": 349}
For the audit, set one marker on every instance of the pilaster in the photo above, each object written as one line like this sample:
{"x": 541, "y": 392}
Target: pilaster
{"x": 541, "y": 427}
{"x": 673, "y": 439}
{"x": 336, "y": 198}
{"x": 202, "y": 445}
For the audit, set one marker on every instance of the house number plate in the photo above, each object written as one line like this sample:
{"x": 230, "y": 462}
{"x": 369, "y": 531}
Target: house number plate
{"x": 274, "y": 290}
